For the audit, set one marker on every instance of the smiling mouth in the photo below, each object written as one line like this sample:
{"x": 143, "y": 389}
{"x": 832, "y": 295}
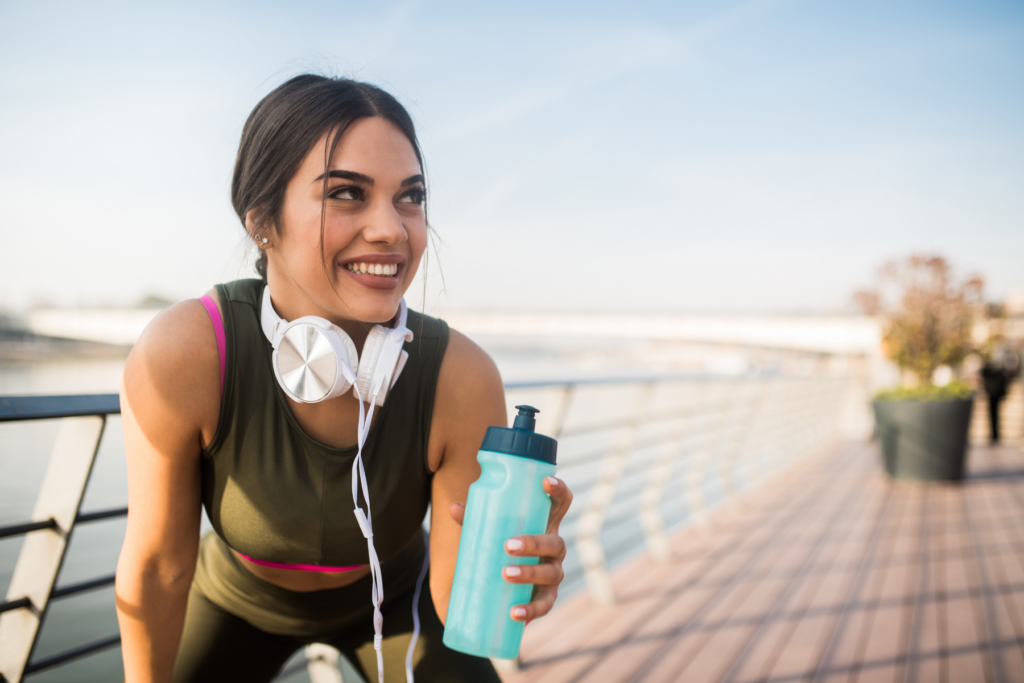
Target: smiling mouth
{"x": 378, "y": 269}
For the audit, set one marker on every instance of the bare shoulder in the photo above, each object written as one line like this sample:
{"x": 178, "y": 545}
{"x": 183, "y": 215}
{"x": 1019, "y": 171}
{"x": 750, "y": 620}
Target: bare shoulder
{"x": 469, "y": 397}
{"x": 464, "y": 355}
{"x": 172, "y": 375}
{"x": 468, "y": 374}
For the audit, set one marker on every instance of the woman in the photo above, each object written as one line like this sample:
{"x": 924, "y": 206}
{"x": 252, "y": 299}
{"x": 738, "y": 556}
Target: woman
{"x": 329, "y": 185}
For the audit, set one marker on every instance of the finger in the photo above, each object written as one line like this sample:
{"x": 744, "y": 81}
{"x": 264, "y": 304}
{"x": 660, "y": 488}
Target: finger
{"x": 544, "y": 574}
{"x": 539, "y": 545}
{"x": 458, "y": 512}
{"x": 543, "y": 601}
{"x": 561, "y": 499}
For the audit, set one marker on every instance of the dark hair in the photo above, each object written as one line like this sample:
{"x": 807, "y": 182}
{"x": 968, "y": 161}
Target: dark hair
{"x": 284, "y": 126}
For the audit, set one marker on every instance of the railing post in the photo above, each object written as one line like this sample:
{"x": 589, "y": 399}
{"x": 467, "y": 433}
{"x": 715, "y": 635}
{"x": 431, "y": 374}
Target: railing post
{"x": 745, "y": 460}
{"x": 43, "y": 551}
{"x": 706, "y": 446}
{"x": 736, "y": 461}
{"x": 650, "y": 500}
{"x": 779, "y": 440}
{"x": 564, "y": 405}
{"x": 588, "y": 527}
{"x": 747, "y": 401}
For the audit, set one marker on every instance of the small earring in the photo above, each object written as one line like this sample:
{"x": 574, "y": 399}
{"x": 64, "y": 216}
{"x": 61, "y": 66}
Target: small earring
{"x": 263, "y": 240}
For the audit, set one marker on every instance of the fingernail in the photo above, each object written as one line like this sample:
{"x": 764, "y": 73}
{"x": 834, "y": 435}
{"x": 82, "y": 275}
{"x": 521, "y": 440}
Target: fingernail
{"x": 513, "y": 571}
{"x": 519, "y": 612}
{"x": 553, "y": 481}
{"x": 513, "y": 544}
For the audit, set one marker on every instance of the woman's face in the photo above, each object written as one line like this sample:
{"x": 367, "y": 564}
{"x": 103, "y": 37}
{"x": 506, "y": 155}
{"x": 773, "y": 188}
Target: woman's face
{"x": 374, "y": 229}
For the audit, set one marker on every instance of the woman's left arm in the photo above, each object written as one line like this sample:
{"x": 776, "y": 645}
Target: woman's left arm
{"x": 470, "y": 398}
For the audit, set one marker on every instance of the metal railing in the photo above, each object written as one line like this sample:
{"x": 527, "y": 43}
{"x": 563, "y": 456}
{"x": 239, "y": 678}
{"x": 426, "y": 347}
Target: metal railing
{"x": 33, "y": 585}
{"x": 643, "y": 455}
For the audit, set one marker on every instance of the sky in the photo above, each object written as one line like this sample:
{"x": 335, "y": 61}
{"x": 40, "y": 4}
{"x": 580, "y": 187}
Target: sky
{"x": 726, "y": 157}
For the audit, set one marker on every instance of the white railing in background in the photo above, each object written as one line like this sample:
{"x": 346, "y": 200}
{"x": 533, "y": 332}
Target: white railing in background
{"x": 646, "y": 455}
{"x": 643, "y": 456}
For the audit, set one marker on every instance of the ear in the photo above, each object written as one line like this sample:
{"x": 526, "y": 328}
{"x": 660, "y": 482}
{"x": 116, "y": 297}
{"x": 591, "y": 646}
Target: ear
{"x": 263, "y": 239}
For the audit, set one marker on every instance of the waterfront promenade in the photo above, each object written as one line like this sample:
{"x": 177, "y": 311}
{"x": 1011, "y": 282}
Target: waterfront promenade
{"x": 802, "y": 563}
{"x": 827, "y": 572}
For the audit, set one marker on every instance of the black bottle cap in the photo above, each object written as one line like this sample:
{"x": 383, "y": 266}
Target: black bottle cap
{"x": 521, "y": 439}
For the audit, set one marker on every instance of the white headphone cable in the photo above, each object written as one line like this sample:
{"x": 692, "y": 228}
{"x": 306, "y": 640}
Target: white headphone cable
{"x": 365, "y": 521}
{"x": 416, "y": 615}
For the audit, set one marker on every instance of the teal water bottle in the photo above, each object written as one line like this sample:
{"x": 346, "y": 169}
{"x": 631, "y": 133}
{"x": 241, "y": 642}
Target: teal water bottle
{"x": 506, "y": 501}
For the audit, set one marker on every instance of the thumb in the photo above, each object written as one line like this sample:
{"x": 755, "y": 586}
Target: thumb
{"x": 458, "y": 512}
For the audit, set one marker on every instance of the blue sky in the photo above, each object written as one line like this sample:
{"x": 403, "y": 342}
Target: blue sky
{"x": 734, "y": 157}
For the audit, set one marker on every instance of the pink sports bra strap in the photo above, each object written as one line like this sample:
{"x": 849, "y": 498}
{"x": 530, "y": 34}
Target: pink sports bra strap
{"x": 301, "y": 567}
{"x": 218, "y": 328}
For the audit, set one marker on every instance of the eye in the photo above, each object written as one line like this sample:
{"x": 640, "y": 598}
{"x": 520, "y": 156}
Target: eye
{"x": 347, "y": 192}
{"x": 413, "y": 196}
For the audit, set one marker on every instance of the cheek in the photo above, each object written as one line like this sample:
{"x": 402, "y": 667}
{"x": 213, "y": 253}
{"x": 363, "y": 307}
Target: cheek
{"x": 417, "y": 245}
{"x": 300, "y": 228}
{"x": 418, "y": 240}
{"x": 339, "y": 231}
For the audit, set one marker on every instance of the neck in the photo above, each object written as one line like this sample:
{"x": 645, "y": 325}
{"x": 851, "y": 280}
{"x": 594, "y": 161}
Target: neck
{"x": 290, "y": 304}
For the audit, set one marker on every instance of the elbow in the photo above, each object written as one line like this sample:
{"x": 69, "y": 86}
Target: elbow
{"x": 139, "y": 575}
{"x": 147, "y": 590}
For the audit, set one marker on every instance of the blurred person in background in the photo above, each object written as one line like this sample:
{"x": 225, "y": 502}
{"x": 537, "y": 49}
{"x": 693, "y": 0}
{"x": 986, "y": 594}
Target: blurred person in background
{"x": 1001, "y": 367}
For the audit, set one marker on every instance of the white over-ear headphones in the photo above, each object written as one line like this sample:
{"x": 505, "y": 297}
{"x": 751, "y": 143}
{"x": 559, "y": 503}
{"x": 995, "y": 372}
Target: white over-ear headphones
{"x": 315, "y": 360}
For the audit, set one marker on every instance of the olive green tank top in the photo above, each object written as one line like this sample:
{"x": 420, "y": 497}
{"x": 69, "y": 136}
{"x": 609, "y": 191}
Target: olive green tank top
{"x": 274, "y": 493}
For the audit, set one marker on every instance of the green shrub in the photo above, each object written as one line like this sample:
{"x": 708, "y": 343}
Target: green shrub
{"x": 954, "y": 391}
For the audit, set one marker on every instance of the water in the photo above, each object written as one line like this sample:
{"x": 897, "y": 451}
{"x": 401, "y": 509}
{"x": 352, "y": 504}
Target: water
{"x": 25, "y": 449}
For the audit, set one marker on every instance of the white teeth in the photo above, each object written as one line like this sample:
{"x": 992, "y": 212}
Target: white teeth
{"x": 381, "y": 269}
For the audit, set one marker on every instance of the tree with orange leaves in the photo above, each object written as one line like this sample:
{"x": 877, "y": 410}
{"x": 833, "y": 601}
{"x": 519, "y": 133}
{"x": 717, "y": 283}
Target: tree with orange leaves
{"x": 928, "y": 313}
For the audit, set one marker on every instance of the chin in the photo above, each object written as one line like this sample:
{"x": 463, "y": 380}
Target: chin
{"x": 377, "y": 312}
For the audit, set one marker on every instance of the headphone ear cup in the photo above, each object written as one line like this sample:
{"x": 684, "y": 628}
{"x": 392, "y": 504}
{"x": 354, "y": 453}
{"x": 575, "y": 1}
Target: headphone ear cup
{"x": 368, "y": 363}
{"x": 313, "y": 360}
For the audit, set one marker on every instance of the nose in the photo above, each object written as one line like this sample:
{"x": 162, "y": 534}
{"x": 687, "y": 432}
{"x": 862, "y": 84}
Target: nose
{"x": 384, "y": 225}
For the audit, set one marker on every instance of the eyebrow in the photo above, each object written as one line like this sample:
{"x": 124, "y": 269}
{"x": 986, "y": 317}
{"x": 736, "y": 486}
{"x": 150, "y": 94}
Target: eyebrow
{"x": 347, "y": 175}
{"x": 365, "y": 179}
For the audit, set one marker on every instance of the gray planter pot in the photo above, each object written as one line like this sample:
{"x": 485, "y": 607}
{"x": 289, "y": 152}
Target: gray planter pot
{"x": 924, "y": 440}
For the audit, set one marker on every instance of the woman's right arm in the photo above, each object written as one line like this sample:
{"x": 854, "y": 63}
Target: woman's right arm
{"x": 170, "y": 400}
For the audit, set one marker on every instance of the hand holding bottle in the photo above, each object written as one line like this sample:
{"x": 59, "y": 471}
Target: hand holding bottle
{"x": 509, "y": 541}
{"x": 549, "y": 547}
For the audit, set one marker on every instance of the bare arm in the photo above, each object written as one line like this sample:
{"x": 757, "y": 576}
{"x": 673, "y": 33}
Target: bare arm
{"x": 170, "y": 398}
{"x": 470, "y": 398}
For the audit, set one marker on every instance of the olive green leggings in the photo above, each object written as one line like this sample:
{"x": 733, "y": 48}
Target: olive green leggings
{"x": 217, "y": 645}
